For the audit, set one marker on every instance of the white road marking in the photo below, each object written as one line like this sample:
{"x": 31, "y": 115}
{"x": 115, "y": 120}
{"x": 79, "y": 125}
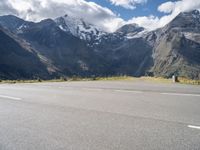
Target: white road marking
{"x": 101, "y": 89}
{"x": 10, "y": 97}
{"x": 92, "y": 89}
{"x": 181, "y": 94}
{"x": 129, "y": 91}
{"x": 194, "y": 127}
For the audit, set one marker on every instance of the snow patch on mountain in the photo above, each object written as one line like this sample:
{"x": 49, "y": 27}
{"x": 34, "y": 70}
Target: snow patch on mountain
{"x": 192, "y": 36}
{"x": 137, "y": 34}
{"x": 79, "y": 28}
{"x": 21, "y": 28}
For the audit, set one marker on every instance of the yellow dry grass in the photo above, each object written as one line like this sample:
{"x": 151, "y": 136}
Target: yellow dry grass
{"x": 114, "y": 78}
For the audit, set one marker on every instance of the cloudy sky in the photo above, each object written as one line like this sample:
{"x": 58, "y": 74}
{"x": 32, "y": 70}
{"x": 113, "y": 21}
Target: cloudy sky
{"x": 106, "y": 14}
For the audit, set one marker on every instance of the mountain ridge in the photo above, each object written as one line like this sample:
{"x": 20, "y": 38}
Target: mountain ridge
{"x": 70, "y": 47}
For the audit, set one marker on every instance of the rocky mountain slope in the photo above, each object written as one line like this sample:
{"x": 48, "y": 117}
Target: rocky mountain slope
{"x": 18, "y": 60}
{"x": 70, "y": 46}
{"x": 176, "y": 48}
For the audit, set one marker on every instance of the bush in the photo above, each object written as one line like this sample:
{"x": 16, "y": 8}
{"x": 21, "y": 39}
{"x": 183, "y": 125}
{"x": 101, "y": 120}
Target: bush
{"x": 39, "y": 80}
{"x": 63, "y": 79}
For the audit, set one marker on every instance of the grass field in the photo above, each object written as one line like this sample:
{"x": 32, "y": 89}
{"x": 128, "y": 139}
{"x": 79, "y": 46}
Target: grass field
{"x": 181, "y": 80}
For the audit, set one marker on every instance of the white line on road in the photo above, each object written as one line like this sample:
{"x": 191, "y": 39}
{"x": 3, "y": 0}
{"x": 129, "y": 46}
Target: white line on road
{"x": 181, "y": 94}
{"x": 194, "y": 127}
{"x": 115, "y": 90}
{"x": 129, "y": 91}
{"x": 92, "y": 89}
{"x": 10, "y": 97}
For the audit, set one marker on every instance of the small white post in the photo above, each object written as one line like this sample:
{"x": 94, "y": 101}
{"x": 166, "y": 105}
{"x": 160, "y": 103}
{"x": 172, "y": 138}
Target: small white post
{"x": 174, "y": 79}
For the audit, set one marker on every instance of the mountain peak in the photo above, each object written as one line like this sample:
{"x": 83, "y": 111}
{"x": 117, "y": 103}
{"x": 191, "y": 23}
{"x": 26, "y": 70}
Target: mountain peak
{"x": 193, "y": 12}
{"x": 14, "y": 23}
{"x": 185, "y": 21}
{"x": 46, "y": 22}
{"x": 130, "y": 28}
{"x": 11, "y": 17}
{"x": 78, "y": 27}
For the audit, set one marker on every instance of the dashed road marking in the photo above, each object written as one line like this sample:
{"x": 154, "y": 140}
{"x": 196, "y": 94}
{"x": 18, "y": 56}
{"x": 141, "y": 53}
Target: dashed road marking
{"x": 92, "y": 89}
{"x": 115, "y": 90}
{"x": 181, "y": 94}
{"x": 129, "y": 91}
{"x": 10, "y": 97}
{"x": 194, "y": 127}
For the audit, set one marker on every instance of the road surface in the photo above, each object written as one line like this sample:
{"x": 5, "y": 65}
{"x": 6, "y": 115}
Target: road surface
{"x": 99, "y": 115}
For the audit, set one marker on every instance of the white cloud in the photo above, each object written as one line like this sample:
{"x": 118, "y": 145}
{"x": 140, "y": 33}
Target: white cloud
{"x": 128, "y": 4}
{"x": 179, "y": 6}
{"x": 36, "y": 10}
{"x": 172, "y": 8}
{"x": 6, "y": 8}
{"x": 167, "y": 7}
{"x": 150, "y": 22}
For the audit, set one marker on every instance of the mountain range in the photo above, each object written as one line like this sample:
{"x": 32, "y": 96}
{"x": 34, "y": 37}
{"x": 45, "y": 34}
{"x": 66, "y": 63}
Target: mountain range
{"x": 68, "y": 46}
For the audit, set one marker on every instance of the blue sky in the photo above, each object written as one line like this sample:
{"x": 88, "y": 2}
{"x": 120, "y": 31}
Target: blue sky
{"x": 149, "y": 8}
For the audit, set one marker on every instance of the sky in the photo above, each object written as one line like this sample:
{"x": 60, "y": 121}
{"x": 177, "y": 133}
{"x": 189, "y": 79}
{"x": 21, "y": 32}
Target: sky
{"x": 108, "y": 15}
{"x": 144, "y": 9}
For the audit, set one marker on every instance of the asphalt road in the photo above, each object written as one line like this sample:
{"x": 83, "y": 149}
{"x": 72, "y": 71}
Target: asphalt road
{"x": 99, "y": 115}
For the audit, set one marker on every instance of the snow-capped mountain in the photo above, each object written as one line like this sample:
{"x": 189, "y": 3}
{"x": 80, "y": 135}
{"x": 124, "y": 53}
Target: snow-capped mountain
{"x": 70, "y": 46}
{"x": 79, "y": 28}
